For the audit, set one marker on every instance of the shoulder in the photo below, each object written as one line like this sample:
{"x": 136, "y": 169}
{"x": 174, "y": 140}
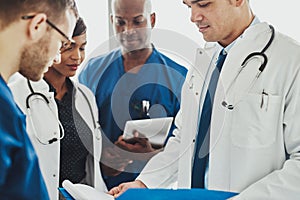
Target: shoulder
{"x": 171, "y": 63}
{"x": 262, "y": 32}
{"x": 284, "y": 49}
{"x": 102, "y": 60}
{"x": 11, "y": 115}
{"x": 95, "y": 67}
{"x": 17, "y": 82}
{"x": 83, "y": 89}
{"x": 285, "y": 42}
{"x": 20, "y": 91}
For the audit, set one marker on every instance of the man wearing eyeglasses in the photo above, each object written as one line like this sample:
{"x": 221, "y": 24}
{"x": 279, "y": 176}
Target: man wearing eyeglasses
{"x": 31, "y": 34}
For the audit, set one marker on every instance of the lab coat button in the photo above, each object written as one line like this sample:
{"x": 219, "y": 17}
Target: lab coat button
{"x": 197, "y": 93}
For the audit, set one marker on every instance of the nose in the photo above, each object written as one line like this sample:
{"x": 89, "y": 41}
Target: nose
{"x": 76, "y": 54}
{"x": 57, "y": 58}
{"x": 196, "y": 15}
{"x": 129, "y": 28}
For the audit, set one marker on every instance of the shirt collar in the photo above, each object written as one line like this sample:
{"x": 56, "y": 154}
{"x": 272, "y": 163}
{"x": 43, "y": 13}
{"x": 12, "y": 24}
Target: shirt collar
{"x": 227, "y": 49}
{"x": 52, "y": 88}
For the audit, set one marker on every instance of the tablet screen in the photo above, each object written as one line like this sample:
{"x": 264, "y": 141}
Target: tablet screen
{"x": 156, "y": 130}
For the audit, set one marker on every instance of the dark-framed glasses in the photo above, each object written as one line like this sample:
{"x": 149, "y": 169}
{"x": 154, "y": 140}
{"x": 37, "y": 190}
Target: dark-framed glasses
{"x": 64, "y": 43}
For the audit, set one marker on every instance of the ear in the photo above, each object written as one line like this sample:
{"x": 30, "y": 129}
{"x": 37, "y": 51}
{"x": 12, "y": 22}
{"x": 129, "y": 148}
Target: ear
{"x": 153, "y": 19}
{"x": 239, "y": 3}
{"x": 37, "y": 26}
{"x": 111, "y": 18}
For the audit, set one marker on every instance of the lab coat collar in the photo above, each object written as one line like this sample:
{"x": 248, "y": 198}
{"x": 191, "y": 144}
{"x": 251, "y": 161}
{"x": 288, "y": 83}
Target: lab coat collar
{"x": 255, "y": 23}
{"x": 40, "y": 86}
{"x": 241, "y": 49}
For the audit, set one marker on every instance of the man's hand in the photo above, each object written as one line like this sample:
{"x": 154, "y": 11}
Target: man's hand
{"x": 232, "y": 198}
{"x": 112, "y": 162}
{"x": 117, "y": 191}
{"x": 139, "y": 145}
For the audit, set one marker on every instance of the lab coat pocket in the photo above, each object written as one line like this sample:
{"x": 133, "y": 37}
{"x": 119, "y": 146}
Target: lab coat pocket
{"x": 256, "y": 120}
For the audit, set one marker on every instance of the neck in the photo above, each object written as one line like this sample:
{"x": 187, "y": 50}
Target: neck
{"x": 10, "y": 52}
{"x": 244, "y": 20}
{"x": 134, "y": 60}
{"x": 58, "y": 81}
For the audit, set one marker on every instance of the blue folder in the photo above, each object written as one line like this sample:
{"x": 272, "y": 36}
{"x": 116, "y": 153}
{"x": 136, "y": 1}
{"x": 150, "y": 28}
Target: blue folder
{"x": 180, "y": 194}
{"x": 65, "y": 195}
{"x": 166, "y": 194}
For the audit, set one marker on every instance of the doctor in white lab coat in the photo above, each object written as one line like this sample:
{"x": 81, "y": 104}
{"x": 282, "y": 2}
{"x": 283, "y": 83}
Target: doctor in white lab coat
{"x": 254, "y": 133}
{"x": 44, "y": 127}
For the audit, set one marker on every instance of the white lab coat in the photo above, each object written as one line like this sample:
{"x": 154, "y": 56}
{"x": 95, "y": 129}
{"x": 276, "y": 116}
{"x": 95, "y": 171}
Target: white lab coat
{"x": 248, "y": 144}
{"x": 49, "y": 155}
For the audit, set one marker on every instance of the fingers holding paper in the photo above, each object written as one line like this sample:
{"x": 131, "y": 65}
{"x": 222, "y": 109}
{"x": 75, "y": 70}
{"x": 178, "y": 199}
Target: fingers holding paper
{"x": 117, "y": 191}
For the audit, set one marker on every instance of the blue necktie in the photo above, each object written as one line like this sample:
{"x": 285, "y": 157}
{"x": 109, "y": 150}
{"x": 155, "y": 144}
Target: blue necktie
{"x": 202, "y": 142}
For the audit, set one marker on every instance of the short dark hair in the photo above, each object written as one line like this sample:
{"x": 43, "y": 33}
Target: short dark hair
{"x": 80, "y": 28}
{"x": 12, "y": 10}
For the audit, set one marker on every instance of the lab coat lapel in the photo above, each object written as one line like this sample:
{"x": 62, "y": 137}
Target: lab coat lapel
{"x": 220, "y": 163}
{"x": 236, "y": 83}
{"x": 192, "y": 93}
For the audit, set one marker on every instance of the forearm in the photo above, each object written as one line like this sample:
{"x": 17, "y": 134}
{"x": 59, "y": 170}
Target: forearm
{"x": 280, "y": 184}
{"x": 161, "y": 170}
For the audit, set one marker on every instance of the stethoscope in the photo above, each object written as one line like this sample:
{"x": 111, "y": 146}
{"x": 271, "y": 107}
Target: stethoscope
{"x": 246, "y": 61}
{"x": 39, "y": 95}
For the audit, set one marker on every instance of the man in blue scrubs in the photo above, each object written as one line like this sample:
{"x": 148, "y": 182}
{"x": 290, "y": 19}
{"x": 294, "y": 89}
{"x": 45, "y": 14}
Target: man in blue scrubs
{"x": 132, "y": 82}
{"x": 29, "y": 43}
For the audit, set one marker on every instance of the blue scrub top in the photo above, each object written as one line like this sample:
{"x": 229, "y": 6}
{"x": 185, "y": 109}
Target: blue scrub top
{"x": 20, "y": 176}
{"x": 119, "y": 95}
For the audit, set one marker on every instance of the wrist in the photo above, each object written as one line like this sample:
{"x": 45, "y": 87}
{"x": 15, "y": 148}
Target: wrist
{"x": 140, "y": 184}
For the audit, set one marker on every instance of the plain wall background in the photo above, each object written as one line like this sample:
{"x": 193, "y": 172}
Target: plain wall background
{"x": 173, "y": 17}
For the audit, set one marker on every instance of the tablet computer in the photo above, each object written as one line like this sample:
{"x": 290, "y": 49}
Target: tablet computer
{"x": 156, "y": 130}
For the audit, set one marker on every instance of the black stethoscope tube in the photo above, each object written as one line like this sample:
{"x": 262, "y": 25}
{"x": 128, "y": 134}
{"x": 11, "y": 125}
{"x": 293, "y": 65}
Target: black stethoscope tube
{"x": 247, "y": 59}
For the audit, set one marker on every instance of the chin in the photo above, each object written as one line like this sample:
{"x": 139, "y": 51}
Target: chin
{"x": 70, "y": 74}
{"x": 46, "y": 69}
{"x": 36, "y": 77}
{"x": 131, "y": 47}
{"x": 135, "y": 48}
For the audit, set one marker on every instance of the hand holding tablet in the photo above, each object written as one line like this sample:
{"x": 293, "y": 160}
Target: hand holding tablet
{"x": 156, "y": 130}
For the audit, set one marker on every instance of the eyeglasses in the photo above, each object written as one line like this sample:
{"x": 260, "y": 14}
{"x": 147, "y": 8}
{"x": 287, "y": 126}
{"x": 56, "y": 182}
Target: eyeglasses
{"x": 64, "y": 43}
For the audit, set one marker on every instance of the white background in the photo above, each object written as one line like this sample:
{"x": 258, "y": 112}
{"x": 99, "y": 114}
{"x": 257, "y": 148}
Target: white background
{"x": 174, "y": 15}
